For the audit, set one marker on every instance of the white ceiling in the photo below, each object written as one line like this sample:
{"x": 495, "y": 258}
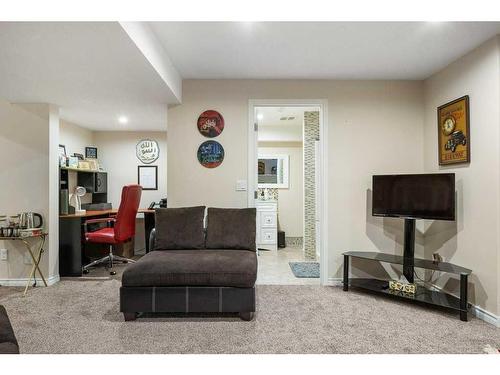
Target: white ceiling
{"x": 318, "y": 50}
{"x": 272, "y": 116}
{"x": 97, "y": 72}
{"x": 281, "y": 124}
{"x": 93, "y": 71}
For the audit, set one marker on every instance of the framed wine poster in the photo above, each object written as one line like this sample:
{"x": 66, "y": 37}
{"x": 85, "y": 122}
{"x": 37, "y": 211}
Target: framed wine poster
{"x": 454, "y": 132}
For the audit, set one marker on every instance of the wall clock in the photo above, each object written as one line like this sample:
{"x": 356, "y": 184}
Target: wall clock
{"x": 210, "y": 123}
{"x": 449, "y": 125}
{"x": 210, "y": 154}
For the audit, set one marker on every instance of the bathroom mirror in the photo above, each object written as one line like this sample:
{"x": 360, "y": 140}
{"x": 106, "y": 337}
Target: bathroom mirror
{"x": 273, "y": 171}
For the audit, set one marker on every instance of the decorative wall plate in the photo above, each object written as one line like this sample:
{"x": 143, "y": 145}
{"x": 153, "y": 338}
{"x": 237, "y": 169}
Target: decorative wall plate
{"x": 210, "y": 124}
{"x": 147, "y": 151}
{"x": 210, "y": 154}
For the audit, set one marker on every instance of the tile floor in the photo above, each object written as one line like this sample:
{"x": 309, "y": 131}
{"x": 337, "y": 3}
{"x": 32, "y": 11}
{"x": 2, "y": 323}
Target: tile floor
{"x": 275, "y": 270}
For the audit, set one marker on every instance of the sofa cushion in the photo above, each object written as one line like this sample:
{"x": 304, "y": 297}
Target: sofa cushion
{"x": 179, "y": 228}
{"x": 231, "y": 228}
{"x": 193, "y": 268}
{"x": 8, "y": 341}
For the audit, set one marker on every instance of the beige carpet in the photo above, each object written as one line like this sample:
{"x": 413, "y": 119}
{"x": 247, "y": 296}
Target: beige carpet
{"x": 76, "y": 316}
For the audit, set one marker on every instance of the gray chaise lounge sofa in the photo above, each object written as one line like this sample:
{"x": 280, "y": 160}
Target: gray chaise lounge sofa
{"x": 193, "y": 270}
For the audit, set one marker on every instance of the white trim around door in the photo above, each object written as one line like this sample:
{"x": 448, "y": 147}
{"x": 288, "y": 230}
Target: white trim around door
{"x": 323, "y": 176}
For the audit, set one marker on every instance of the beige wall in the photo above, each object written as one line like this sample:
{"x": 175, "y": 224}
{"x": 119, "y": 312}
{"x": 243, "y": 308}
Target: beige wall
{"x": 24, "y": 151}
{"x": 116, "y": 151}
{"x": 117, "y": 156}
{"x": 374, "y": 127}
{"x": 75, "y": 137}
{"x": 290, "y": 200}
{"x": 473, "y": 241}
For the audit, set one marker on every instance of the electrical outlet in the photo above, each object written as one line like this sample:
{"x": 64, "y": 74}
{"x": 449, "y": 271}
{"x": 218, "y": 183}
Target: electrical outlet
{"x": 27, "y": 259}
{"x": 3, "y": 254}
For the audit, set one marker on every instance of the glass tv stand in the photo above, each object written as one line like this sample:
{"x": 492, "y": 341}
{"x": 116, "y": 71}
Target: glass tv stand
{"x": 423, "y": 295}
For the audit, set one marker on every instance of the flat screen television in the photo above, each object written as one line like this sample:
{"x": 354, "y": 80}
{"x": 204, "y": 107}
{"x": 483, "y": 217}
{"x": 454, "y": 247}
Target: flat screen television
{"x": 414, "y": 196}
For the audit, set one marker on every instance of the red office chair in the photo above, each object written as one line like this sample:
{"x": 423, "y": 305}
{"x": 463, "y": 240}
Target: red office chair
{"x": 120, "y": 228}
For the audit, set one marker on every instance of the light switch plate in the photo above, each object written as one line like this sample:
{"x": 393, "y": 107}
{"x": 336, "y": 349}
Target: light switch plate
{"x": 241, "y": 185}
{"x": 3, "y": 254}
{"x": 27, "y": 258}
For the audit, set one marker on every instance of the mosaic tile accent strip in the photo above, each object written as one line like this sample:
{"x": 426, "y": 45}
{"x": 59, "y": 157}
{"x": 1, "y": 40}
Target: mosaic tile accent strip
{"x": 311, "y": 134}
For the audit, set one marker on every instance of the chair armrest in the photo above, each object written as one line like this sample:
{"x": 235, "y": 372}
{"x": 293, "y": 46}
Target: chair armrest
{"x": 94, "y": 221}
{"x": 152, "y": 238}
{"x": 103, "y": 220}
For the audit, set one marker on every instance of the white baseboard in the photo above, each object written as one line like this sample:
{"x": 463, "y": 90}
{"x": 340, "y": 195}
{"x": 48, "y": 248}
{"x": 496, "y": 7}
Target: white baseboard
{"x": 22, "y": 281}
{"x": 333, "y": 281}
{"x": 487, "y": 316}
{"x": 477, "y": 311}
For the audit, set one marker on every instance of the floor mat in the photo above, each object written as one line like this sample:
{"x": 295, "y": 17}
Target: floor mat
{"x": 305, "y": 269}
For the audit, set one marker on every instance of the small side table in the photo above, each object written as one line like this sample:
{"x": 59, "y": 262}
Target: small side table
{"x": 36, "y": 259}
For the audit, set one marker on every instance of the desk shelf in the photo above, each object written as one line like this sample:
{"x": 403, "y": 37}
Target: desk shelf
{"x": 80, "y": 170}
{"x": 94, "y": 182}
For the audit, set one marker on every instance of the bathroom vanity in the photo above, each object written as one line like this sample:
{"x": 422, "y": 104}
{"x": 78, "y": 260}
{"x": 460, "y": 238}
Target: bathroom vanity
{"x": 267, "y": 224}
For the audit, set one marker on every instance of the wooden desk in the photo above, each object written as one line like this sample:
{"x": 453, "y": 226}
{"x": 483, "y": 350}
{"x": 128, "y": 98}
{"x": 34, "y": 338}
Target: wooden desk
{"x": 71, "y": 237}
{"x": 104, "y": 213}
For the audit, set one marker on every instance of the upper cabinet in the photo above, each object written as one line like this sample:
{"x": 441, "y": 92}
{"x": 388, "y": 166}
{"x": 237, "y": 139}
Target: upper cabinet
{"x": 95, "y": 182}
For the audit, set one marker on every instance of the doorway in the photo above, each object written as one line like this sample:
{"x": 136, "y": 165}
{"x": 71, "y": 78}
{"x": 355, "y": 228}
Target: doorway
{"x": 287, "y": 143}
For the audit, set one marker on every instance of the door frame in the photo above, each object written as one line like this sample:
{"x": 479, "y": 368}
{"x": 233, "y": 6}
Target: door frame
{"x": 323, "y": 175}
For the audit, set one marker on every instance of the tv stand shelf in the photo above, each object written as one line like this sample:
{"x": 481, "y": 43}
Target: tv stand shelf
{"x": 423, "y": 294}
{"x": 417, "y": 262}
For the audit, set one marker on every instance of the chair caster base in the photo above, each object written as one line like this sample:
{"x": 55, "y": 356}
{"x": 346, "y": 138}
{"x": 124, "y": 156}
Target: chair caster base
{"x": 85, "y": 271}
{"x": 129, "y": 316}
{"x": 247, "y": 316}
{"x": 112, "y": 273}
